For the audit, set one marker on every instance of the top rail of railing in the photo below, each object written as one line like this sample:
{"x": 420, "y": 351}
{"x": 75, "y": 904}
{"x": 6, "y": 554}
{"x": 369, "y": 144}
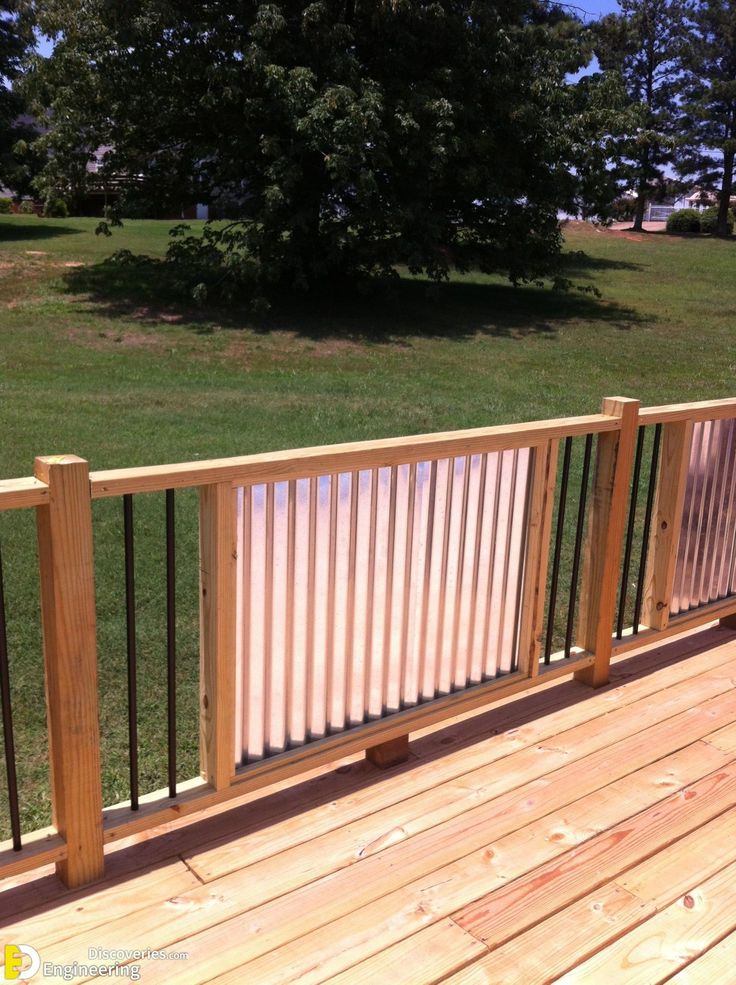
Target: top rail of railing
{"x": 303, "y": 463}
{"x": 320, "y": 460}
{"x": 323, "y": 459}
{"x": 703, "y": 410}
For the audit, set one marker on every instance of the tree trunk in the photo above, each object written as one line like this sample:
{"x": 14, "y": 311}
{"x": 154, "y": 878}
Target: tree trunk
{"x": 725, "y": 197}
{"x": 639, "y": 212}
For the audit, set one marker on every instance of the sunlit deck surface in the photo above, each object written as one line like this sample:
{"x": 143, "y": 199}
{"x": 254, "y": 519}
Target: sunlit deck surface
{"x": 570, "y": 834}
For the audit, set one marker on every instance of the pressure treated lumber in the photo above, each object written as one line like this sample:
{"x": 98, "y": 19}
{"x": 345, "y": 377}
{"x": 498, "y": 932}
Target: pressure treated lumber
{"x": 341, "y": 942}
{"x": 304, "y": 463}
{"x": 39, "y": 848}
{"x": 424, "y": 803}
{"x": 365, "y": 928}
{"x": 539, "y": 528}
{"x": 70, "y": 658}
{"x": 86, "y": 909}
{"x": 604, "y": 539}
{"x": 548, "y": 710}
{"x": 22, "y": 493}
{"x": 426, "y": 958}
{"x": 559, "y": 939}
{"x": 441, "y": 877}
{"x": 218, "y": 555}
{"x": 700, "y": 410}
{"x": 666, "y": 522}
{"x": 388, "y": 754}
{"x": 711, "y": 968}
{"x": 670, "y": 939}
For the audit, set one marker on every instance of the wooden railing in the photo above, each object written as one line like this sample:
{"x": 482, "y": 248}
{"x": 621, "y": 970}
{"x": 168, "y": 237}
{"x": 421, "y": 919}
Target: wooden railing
{"x": 368, "y": 609}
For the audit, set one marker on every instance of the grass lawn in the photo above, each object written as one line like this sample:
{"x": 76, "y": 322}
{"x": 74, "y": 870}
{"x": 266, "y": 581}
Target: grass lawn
{"x": 95, "y": 364}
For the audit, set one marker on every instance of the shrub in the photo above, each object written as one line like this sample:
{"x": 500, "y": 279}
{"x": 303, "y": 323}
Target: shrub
{"x": 684, "y": 221}
{"x": 709, "y": 221}
{"x": 5, "y": 206}
{"x": 26, "y": 207}
{"x": 55, "y": 208}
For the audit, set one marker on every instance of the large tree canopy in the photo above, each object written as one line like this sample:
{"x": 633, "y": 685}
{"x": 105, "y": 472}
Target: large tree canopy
{"x": 18, "y": 163}
{"x": 343, "y": 136}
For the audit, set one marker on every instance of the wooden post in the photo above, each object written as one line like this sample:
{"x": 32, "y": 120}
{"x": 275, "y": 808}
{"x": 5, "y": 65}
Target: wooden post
{"x": 539, "y": 530}
{"x": 606, "y": 528}
{"x": 666, "y": 521}
{"x": 390, "y": 753}
{"x": 218, "y": 557}
{"x": 70, "y": 656}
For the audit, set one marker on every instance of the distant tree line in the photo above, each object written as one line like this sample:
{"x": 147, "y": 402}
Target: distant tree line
{"x": 347, "y": 138}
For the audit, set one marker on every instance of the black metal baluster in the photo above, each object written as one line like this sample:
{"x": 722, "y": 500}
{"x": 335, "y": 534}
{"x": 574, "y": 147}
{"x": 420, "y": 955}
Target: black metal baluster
{"x": 623, "y": 588}
{"x": 578, "y": 544}
{"x": 171, "y": 635}
{"x": 131, "y": 648}
{"x": 647, "y": 526}
{"x": 561, "y": 507}
{"x": 8, "y": 739}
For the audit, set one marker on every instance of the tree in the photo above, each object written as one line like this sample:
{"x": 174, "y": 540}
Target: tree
{"x": 708, "y": 117}
{"x": 644, "y": 45}
{"x": 18, "y": 163}
{"x": 351, "y": 135}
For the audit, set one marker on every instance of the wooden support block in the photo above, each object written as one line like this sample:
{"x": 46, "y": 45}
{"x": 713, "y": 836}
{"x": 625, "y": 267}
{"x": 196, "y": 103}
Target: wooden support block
{"x": 218, "y": 556}
{"x": 605, "y": 538}
{"x": 388, "y": 754}
{"x": 666, "y": 521}
{"x": 728, "y": 622}
{"x": 70, "y": 656}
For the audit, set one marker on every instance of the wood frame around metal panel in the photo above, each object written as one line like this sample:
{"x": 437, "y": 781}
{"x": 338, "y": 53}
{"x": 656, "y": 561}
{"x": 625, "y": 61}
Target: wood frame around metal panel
{"x": 666, "y": 521}
{"x": 196, "y": 795}
{"x": 539, "y": 528}
{"x": 216, "y": 480}
{"x": 606, "y": 526}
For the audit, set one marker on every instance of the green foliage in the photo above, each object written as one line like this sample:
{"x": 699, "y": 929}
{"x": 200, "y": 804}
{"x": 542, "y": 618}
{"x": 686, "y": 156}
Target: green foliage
{"x": 346, "y": 137}
{"x": 27, "y": 207}
{"x": 644, "y": 46}
{"x": 684, "y": 221}
{"x": 6, "y": 206}
{"x": 19, "y": 161}
{"x": 709, "y": 221}
{"x": 622, "y": 209}
{"x": 55, "y": 208}
{"x": 707, "y": 145}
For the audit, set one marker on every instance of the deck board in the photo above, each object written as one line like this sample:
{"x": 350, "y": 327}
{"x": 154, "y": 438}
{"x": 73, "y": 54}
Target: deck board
{"x": 578, "y": 816}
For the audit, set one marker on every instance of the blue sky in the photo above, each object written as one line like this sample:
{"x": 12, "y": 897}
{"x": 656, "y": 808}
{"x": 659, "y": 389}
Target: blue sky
{"x": 590, "y": 9}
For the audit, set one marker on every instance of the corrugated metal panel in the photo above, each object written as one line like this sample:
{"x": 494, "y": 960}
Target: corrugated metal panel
{"x": 705, "y": 554}
{"x": 363, "y": 593}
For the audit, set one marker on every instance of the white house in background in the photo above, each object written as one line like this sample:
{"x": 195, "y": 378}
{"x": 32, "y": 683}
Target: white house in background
{"x": 697, "y": 198}
{"x": 105, "y": 189}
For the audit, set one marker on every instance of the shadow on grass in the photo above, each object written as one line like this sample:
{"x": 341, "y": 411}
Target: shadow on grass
{"x": 578, "y": 263}
{"x": 22, "y": 229}
{"x": 407, "y": 307}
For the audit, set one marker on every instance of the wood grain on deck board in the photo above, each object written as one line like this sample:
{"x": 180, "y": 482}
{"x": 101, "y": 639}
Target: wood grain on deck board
{"x": 443, "y": 876}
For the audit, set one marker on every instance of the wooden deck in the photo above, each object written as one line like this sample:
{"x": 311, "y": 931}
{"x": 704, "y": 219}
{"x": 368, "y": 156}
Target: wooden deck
{"x": 568, "y": 835}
